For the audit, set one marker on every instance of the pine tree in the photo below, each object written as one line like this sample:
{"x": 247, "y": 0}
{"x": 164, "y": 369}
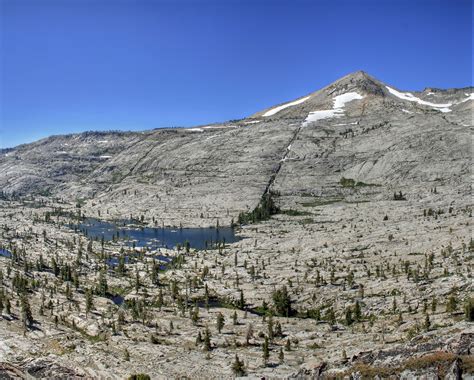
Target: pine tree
{"x": 198, "y": 338}
{"x": 89, "y": 301}
{"x": 270, "y": 328}
{"x": 469, "y": 310}
{"x": 8, "y": 307}
{"x": 278, "y": 331}
{"x": 102, "y": 286}
{"x": 238, "y": 367}
{"x": 121, "y": 318}
{"x": 357, "y": 312}
{"x": 174, "y": 289}
{"x": 54, "y": 266}
{"x": 434, "y": 305}
{"x": 207, "y": 339}
{"x": 330, "y": 316}
{"x": 68, "y": 292}
{"x": 160, "y": 299}
{"x": 137, "y": 281}
{"x": 348, "y": 317}
{"x": 265, "y": 351}
{"x": 26, "y": 313}
{"x": 242, "y": 300}
{"x": 249, "y": 334}
{"x": 427, "y": 324}
{"x": 121, "y": 264}
{"x": 154, "y": 273}
{"x": 75, "y": 279}
{"x": 282, "y": 301}
{"x": 452, "y": 304}
{"x": 220, "y": 322}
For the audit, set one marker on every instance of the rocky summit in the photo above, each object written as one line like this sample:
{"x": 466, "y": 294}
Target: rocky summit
{"x": 352, "y": 258}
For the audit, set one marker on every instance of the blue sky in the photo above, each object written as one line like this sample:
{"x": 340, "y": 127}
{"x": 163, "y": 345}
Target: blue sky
{"x": 74, "y": 65}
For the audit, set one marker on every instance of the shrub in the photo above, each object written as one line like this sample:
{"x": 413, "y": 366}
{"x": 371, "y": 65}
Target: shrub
{"x": 139, "y": 376}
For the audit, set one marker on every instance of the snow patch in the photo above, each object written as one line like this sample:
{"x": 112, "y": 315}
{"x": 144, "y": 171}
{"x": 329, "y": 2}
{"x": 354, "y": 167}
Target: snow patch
{"x": 341, "y": 125}
{"x": 413, "y": 98}
{"x": 318, "y": 115}
{"x": 253, "y": 122}
{"x": 194, "y": 130}
{"x": 341, "y": 100}
{"x": 273, "y": 111}
{"x": 201, "y": 129}
{"x": 469, "y": 97}
{"x": 105, "y": 157}
{"x": 338, "y": 108}
{"x": 406, "y": 111}
{"x": 219, "y": 126}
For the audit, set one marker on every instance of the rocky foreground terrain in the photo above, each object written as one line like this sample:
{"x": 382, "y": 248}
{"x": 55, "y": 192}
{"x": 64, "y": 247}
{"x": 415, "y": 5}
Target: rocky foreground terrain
{"x": 354, "y": 208}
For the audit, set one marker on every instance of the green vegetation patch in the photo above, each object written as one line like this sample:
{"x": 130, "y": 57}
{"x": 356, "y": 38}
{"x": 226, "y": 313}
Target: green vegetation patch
{"x": 321, "y": 202}
{"x": 291, "y": 212}
{"x": 349, "y": 182}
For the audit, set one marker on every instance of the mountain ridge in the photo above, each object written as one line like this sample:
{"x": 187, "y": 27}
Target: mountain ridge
{"x": 356, "y": 78}
{"x": 359, "y": 80}
{"x": 226, "y": 167}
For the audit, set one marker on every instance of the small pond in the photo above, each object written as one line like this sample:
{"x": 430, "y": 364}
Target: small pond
{"x": 117, "y": 299}
{"x": 5, "y": 253}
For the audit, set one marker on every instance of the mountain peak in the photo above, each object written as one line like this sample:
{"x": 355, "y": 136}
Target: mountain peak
{"x": 358, "y": 80}
{"x": 357, "y": 74}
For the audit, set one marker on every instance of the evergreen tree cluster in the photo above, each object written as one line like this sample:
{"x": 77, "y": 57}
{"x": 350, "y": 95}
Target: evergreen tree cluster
{"x": 265, "y": 209}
